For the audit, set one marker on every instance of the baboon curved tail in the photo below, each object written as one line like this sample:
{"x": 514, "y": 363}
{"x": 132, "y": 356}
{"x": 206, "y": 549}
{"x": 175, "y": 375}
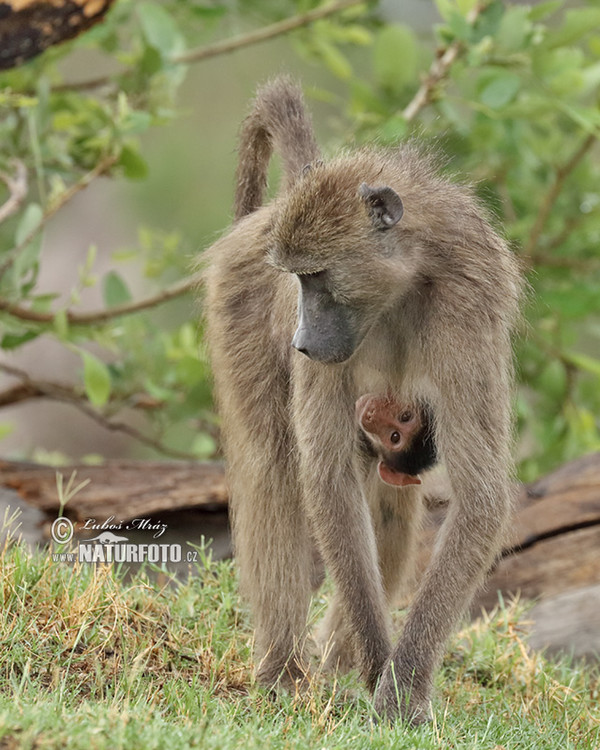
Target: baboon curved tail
{"x": 278, "y": 121}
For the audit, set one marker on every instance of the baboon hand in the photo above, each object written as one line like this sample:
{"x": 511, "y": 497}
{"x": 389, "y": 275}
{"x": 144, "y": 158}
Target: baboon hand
{"x": 403, "y": 693}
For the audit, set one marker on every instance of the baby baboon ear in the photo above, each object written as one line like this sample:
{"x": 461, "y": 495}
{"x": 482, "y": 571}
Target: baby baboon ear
{"x": 383, "y": 204}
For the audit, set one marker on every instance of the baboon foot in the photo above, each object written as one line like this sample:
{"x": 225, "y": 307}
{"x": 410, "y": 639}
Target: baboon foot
{"x": 292, "y": 676}
{"x": 403, "y": 694}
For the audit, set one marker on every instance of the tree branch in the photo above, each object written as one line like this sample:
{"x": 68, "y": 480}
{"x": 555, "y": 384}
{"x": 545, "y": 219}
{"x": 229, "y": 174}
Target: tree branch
{"x": 238, "y": 42}
{"x": 268, "y": 32}
{"x": 562, "y": 173}
{"x": 17, "y": 187}
{"x": 103, "y": 166}
{"x": 28, "y": 388}
{"x": 438, "y": 70}
{"x": 101, "y": 316}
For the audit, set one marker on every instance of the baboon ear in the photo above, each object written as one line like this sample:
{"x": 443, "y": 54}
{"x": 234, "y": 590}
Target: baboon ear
{"x": 309, "y": 167}
{"x": 383, "y": 204}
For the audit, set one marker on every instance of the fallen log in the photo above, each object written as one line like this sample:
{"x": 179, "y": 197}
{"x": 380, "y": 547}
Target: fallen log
{"x": 123, "y": 489}
{"x": 555, "y": 546}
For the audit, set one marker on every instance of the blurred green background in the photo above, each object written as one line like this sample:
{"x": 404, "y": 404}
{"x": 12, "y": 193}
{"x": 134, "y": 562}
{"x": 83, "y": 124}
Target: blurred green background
{"x": 130, "y": 155}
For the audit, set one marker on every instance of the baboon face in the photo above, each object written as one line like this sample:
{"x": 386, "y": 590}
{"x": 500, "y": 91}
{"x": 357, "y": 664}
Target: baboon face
{"x": 328, "y": 331}
{"x": 334, "y": 313}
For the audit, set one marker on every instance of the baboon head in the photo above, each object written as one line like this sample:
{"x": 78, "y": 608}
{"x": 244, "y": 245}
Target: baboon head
{"x": 333, "y": 232}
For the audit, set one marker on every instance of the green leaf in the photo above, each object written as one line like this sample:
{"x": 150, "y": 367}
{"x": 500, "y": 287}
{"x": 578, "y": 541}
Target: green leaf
{"x": 13, "y": 341}
{"x": 5, "y": 429}
{"x": 61, "y": 324}
{"x": 586, "y": 117}
{"x": 499, "y": 88}
{"x": 445, "y": 8}
{"x": 204, "y": 446}
{"x": 32, "y": 216}
{"x": 460, "y": 27}
{"x": 135, "y": 122}
{"x": 553, "y": 380}
{"x": 542, "y": 10}
{"x": 514, "y": 31}
{"x": 394, "y": 129}
{"x": 578, "y": 22}
{"x": 96, "y": 379}
{"x": 134, "y": 166}
{"x": 190, "y": 370}
{"x": 159, "y": 29}
{"x": 28, "y": 257}
{"x": 465, "y": 6}
{"x": 115, "y": 290}
{"x": 583, "y": 362}
{"x": 395, "y": 58}
{"x": 567, "y": 83}
{"x": 337, "y": 63}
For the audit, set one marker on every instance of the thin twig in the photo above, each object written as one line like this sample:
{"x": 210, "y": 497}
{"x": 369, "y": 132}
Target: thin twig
{"x": 17, "y": 187}
{"x": 268, "y": 32}
{"x": 103, "y": 166}
{"x": 17, "y": 394}
{"x": 571, "y": 223}
{"x": 238, "y": 42}
{"x": 87, "y": 85}
{"x": 438, "y": 71}
{"x": 29, "y": 388}
{"x": 102, "y": 316}
{"x": 555, "y": 190}
{"x": 583, "y": 265}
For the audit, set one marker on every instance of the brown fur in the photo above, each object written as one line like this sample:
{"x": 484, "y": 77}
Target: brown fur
{"x": 437, "y": 296}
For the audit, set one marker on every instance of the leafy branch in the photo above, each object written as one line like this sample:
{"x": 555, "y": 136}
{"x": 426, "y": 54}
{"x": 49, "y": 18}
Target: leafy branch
{"x": 29, "y": 388}
{"x": 266, "y": 33}
{"x": 17, "y": 188}
{"x": 438, "y": 71}
{"x": 101, "y": 168}
{"x": 242, "y": 41}
{"x": 93, "y": 317}
{"x": 549, "y": 201}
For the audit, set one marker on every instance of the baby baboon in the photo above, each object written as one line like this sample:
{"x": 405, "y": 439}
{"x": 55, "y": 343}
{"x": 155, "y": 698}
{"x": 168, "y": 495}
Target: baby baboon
{"x": 400, "y": 435}
{"x": 369, "y": 273}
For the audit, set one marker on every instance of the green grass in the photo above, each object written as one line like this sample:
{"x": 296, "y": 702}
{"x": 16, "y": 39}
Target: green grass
{"x": 90, "y": 660}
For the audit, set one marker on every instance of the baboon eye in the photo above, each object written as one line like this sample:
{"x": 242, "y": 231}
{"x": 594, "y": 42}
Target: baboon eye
{"x": 395, "y": 437}
{"x": 406, "y": 416}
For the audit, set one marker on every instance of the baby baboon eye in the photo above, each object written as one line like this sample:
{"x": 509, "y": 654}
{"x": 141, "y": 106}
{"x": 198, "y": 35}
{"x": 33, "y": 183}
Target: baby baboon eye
{"x": 406, "y": 416}
{"x": 395, "y": 437}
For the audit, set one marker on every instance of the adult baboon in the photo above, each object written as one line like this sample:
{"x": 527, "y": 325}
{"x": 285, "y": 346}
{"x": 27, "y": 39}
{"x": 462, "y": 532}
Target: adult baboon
{"x": 369, "y": 273}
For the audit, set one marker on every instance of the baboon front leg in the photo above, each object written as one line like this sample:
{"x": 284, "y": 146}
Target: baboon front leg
{"x": 338, "y": 511}
{"x": 275, "y": 558}
{"x": 396, "y": 514}
{"x": 476, "y": 455}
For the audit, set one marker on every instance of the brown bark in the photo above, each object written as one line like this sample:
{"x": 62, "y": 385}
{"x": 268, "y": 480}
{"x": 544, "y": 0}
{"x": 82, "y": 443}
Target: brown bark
{"x": 555, "y": 545}
{"x": 125, "y": 489}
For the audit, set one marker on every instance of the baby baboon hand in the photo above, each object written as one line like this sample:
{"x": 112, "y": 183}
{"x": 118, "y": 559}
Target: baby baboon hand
{"x": 403, "y": 692}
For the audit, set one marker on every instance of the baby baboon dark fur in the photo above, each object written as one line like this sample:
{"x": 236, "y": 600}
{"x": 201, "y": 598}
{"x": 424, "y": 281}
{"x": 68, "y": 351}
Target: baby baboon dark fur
{"x": 368, "y": 273}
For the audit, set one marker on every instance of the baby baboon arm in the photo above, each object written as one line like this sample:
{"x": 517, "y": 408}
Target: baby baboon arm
{"x": 278, "y": 121}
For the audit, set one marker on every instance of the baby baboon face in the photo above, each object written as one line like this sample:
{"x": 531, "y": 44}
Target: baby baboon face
{"x": 401, "y": 436}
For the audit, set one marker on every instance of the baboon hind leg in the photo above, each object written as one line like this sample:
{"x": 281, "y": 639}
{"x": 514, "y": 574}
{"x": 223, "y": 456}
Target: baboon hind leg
{"x": 396, "y": 515}
{"x": 274, "y": 554}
